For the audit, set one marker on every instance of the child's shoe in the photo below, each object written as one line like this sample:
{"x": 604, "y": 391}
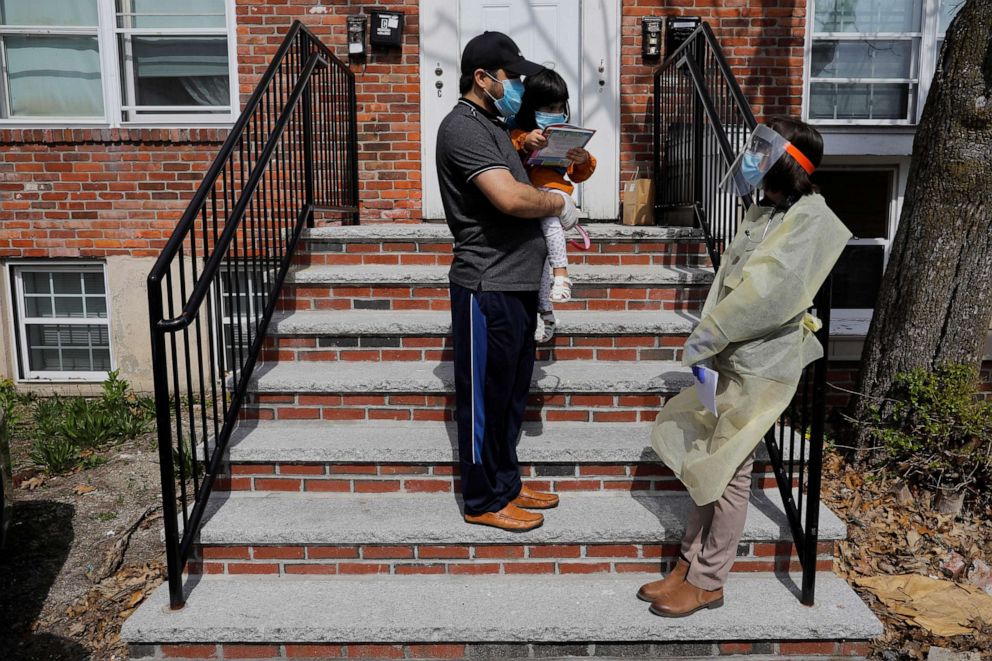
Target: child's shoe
{"x": 545, "y": 327}
{"x": 561, "y": 290}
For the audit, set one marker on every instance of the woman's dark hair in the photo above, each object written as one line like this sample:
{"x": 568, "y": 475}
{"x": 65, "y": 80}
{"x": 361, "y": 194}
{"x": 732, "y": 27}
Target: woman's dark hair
{"x": 541, "y": 89}
{"x": 787, "y": 176}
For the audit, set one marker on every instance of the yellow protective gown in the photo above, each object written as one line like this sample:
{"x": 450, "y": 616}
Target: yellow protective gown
{"x": 756, "y": 333}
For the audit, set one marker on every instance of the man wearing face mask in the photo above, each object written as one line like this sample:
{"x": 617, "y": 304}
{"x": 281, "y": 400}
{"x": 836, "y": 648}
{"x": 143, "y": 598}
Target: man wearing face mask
{"x": 499, "y": 252}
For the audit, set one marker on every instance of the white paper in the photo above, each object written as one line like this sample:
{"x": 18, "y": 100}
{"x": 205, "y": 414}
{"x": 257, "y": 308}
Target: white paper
{"x": 561, "y": 138}
{"x": 706, "y": 380}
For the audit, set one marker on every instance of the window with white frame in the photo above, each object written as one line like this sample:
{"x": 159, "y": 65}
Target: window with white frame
{"x": 63, "y": 321}
{"x": 242, "y": 299}
{"x": 117, "y": 62}
{"x": 871, "y": 61}
{"x": 864, "y": 198}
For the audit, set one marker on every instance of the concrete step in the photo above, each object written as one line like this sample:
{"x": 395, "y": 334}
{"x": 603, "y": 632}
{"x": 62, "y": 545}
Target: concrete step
{"x": 364, "y": 335}
{"x": 573, "y": 390}
{"x": 418, "y": 458}
{"x": 296, "y": 533}
{"x": 492, "y": 617}
{"x": 430, "y": 244}
{"x": 426, "y": 287}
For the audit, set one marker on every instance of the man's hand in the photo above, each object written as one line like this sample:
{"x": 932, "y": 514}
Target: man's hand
{"x": 578, "y": 156}
{"x": 569, "y": 215}
{"x": 535, "y": 141}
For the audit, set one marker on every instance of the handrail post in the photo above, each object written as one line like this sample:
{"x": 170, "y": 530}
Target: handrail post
{"x": 353, "y": 149}
{"x": 698, "y": 117}
{"x": 163, "y": 417}
{"x": 811, "y": 536}
{"x": 308, "y": 175}
{"x": 656, "y": 165}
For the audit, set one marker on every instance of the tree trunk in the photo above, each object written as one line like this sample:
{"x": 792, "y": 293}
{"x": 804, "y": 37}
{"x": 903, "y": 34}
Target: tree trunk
{"x": 935, "y": 303}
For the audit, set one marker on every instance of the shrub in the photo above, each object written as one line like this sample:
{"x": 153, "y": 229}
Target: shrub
{"x": 935, "y": 431}
{"x": 87, "y": 423}
{"x": 56, "y": 453}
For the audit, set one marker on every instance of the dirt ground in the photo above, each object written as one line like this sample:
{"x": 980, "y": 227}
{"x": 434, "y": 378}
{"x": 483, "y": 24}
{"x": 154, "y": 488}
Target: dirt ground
{"x": 66, "y": 579}
{"x": 85, "y": 549}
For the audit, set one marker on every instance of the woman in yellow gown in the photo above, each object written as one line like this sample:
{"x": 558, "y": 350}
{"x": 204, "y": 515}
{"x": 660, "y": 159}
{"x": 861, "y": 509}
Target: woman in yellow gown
{"x": 756, "y": 333}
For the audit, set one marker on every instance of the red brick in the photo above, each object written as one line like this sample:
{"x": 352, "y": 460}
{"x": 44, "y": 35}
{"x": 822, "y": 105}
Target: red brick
{"x": 329, "y": 552}
{"x": 362, "y": 568}
{"x": 428, "y": 486}
{"x": 736, "y": 648}
{"x": 252, "y": 568}
{"x": 554, "y": 551}
{"x": 375, "y": 652}
{"x": 352, "y": 469}
{"x": 583, "y": 567}
{"x": 190, "y": 651}
{"x": 250, "y": 651}
{"x": 314, "y": 651}
{"x": 278, "y": 552}
{"x": 611, "y": 551}
{"x": 276, "y": 484}
{"x": 437, "y": 651}
{"x": 529, "y": 568}
{"x": 300, "y": 469}
{"x": 420, "y": 569}
{"x": 309, "y": 570}
{"x": 376, "y": 486}
{"x": 225, "y": 552}
{"x": 800, "y": 648}
{"x": 387, "y": 552}
{"x": 473, "y": 568}
{"x": 499, "y": 551}
{"x": 339, "y": 486}
{"x": 252, "y": 469}
{"x": 443, "y": 552}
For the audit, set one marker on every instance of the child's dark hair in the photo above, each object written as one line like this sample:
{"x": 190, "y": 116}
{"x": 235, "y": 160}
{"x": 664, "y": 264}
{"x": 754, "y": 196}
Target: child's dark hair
{"x": 787, "y": 176}
{"x": 541, "y": 89}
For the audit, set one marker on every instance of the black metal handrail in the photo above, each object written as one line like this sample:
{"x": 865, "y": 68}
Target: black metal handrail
{"x": 702, "y": 120}
{"x": 214, "y": 288}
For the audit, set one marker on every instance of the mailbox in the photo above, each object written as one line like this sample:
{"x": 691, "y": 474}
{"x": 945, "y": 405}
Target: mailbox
{"x": 387, "y": 29}
{"x": 356, "y": 35}
{"x": 651, "y": 36}
{"x": 677, "y": 31}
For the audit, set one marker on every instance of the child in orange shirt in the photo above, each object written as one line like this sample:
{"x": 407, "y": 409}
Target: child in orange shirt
{"x": 545, "y": 102}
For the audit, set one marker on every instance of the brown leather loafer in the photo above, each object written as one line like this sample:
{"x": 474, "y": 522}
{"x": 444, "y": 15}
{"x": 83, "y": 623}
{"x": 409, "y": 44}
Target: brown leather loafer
{"x": 509, "y": 518}
{"x": 535, "y": 500}
{"x": 657, "y": 590}
{"x": 686, "y": 599}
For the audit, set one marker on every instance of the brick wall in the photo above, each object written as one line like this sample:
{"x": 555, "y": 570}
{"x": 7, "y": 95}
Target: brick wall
{"x": 763, "y": 41}
{"x": 93, "y": 192}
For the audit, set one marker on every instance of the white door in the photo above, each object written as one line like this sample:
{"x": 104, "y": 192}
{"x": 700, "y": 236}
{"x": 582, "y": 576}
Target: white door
{"x": 579, "y": 38}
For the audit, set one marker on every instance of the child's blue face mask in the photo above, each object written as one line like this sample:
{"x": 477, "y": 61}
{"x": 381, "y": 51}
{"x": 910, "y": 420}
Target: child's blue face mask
{"x": 546, "y": 119}
{"x": 513, "y": 94}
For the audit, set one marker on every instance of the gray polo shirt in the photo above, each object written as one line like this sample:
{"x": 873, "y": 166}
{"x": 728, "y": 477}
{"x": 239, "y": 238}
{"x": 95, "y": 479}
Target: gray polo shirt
{"x": 493, "y": 250}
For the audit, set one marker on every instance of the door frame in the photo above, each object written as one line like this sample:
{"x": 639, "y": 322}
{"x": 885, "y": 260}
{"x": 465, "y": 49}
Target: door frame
{"x": 600, "y": 25}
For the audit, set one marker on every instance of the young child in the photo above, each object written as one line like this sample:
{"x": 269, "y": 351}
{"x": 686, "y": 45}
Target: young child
{"x": 545, "y": 102}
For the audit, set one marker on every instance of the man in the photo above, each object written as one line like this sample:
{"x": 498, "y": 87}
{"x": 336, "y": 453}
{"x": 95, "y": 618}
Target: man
{"x": 499, "y": 253}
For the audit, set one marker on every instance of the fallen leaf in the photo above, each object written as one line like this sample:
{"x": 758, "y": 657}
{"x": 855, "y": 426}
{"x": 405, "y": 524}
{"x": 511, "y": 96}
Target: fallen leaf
{"x": 84, "y": 488}
{"x": 33, "y": 483}
{"x": 939, "y": 606}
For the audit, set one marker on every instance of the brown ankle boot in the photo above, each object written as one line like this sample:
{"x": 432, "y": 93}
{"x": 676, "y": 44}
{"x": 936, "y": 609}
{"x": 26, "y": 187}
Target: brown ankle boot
{"x": 656, "y": 590}
{"x": 686, "y": 599}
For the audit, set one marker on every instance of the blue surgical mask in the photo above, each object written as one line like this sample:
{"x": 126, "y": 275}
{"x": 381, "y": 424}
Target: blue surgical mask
{"x": 513, "y": 94}
{"x": 751, "y": 168}
{"x": 546, "y": 119}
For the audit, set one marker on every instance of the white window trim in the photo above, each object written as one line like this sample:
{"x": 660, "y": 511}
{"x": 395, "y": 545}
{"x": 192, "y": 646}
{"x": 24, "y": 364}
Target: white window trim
{"x": 923, "y": 65}
{"x": 15, "y": 294}
{"x": 895, "y": 209}
{"x": 113, "y": 103}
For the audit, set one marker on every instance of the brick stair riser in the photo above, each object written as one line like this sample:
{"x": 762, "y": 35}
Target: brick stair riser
{"x": 568, "y": 407}
{"x": 442, "y": 478}
{"x": 601, "y": 253}
{"x": 461, "y": 559}
{"x": 799, "y": 649}
{"x": 438, "y": 348}
{"x": 307, "y": 296}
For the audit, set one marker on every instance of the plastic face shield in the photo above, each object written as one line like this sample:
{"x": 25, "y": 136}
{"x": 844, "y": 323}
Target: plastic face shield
{"x": 762, "y": 151}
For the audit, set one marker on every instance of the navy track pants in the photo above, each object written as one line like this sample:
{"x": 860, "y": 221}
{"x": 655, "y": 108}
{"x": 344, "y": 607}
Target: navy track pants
{"x": 494, "y": 361}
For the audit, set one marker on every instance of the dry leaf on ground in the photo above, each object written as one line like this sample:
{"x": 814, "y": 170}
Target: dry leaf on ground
{"x": 940, "y": 606}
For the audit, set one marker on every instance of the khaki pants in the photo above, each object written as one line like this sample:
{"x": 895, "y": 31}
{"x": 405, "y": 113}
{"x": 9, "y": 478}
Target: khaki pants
{"x": 714, "y": 530}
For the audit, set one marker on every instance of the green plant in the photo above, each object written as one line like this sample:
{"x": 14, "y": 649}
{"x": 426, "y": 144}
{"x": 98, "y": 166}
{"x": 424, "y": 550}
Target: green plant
{"x": 93, "y": 460}
{"x": 935, "y": 430}
{"x": 8, "y": 400}
{"x": 186, "y": 459}
{"x": 87, "y": 423}
{"x": 131, "y": 415}
{"x": 56, "y": 453}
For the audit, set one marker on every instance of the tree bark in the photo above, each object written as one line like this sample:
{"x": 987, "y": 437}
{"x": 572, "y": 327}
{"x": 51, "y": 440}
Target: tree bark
{"x": 935, "y": 302}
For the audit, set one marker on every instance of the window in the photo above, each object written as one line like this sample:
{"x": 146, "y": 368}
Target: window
{"x": 63, "y": 321}
{"x": 242, "y": 298}
{"x": 864, "y": 198}
{"x": 870, "y": 61}
{"x": 117, "y": 62}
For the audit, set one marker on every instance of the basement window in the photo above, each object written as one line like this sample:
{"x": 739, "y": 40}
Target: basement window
{"x": 63, "y": 322}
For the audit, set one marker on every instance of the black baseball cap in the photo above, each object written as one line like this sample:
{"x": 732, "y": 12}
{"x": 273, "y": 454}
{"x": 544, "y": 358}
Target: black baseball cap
{"x": 495, "y": 50}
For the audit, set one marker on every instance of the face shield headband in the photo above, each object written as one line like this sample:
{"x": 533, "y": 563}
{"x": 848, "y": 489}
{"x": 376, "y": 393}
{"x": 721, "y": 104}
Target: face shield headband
{"x": 763, "y": 150}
